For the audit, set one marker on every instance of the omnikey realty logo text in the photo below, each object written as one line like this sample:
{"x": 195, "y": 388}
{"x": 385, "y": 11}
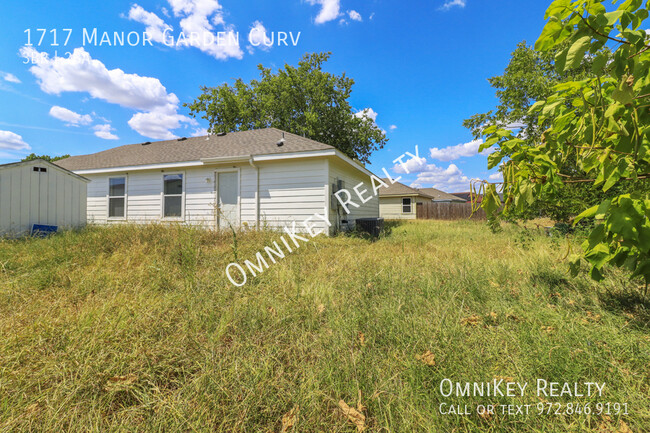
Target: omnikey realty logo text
{"x": 238, "y": 275}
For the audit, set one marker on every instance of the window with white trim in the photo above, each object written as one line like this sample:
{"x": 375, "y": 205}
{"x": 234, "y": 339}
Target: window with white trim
{"x": 172, "y": 195}
{"x": 116, "y": 197}
{"x": 407, "y": 205}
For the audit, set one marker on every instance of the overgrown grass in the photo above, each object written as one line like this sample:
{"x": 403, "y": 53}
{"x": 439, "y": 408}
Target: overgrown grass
{"x": 137, "y": 328}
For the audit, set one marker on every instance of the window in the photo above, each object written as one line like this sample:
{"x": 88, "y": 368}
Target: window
{"x": 406, "y": 205}
{"x": 172, "y": 195}
{"x": 116, "y": 197}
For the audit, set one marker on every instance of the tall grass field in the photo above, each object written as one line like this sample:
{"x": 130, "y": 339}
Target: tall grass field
{"x": 137, "y": 328}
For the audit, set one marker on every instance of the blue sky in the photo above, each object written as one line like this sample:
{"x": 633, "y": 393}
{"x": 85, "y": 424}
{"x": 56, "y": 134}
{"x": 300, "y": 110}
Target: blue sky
{"x": 420, "y": 67}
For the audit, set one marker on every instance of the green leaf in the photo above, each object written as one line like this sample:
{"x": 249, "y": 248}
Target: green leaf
{"x": 598, "y": 255}
{"x": 550, "y": 35}
{"x": 589, "y": 213}
{"x": 577, "y": 52}
{"x": 559, "y": 9}
{"x": 560, "y": 60}
{"x": 599, "y": 64}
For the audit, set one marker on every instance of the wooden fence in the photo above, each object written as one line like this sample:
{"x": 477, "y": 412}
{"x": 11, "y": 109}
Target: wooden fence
{"x": 448, "y": 211}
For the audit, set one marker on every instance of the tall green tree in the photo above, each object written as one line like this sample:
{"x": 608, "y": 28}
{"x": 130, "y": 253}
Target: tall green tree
{"x": 531, "y": 76}
{"x": 602, "y": 121}
{"x": 303, "y": 100}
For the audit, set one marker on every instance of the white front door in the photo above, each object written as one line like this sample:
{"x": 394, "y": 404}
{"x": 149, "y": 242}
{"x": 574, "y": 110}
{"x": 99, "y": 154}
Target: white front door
{"x": 227, "y": 199}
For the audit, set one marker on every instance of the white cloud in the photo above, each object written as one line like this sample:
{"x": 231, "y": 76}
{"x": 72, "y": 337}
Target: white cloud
{"x": 497, "y": 177}
{"x": 413, "y": 165}
{"x": 367, "y": 112}
{"x": 70, "y": 117}
{"x": 199, "y": 132}
{"x": 330, "y": 10}
{"x": 81, "y": 73}
{"x": 157, "y": 124}
{"x": 155, "y": 26}
{"x": 12, "y": 141}
{"x": 452, "y": 3}
{"x": 200, "y": 17}
{"x": 460, "y": 150}
{"x": 104, "y": 131}
{"x": 258, "y": 38}
{"x": 354, "y": 15}
{"x": 10, "y": 77}
{"x": 392, "y": 127}
{"x": 450, "y": 179}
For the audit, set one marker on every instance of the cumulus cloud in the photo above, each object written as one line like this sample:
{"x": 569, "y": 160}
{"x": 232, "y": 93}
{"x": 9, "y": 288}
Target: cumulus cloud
{"x": 496, "y": 177}
{"x": 157, "y": 124}
{"x": 354, "y": 15}
{"x": 154, "y": 25}
{"x": 10, "y": 77}
{"x": 81, "y": 73}
{"x": 413, "y": 165}
{"x": 452, "y": 3}
{"x": 104, "y": 131}
{"x": 460, "y": 150}
{"x": 70, "y": 117}
{"x": 450, "y": 179}
{"x": 199, "y": 132}
{"x": 200, "y": 17}
{"x": 367, "y": 112}
{"x": 258, "y": 38}
{"x": 392, "y": 127}
{"x": 12, "y": 141}
{"x": 330, "y": 10}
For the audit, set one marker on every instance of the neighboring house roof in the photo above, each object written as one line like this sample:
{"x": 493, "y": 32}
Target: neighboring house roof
{"x": 467, "y": 196}
{"x": 232, "y": 145}
{"x": 40, "y": 161}
{"x": 399, "y": 189}
{"x": 441, "y": 195}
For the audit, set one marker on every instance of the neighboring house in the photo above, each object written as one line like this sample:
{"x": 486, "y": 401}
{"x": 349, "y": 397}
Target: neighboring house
{"x": 441, "y": 196}
{"x": 40, "y": 193}
{"x": 252, "y": 178}
{"x": 399, "y": 201}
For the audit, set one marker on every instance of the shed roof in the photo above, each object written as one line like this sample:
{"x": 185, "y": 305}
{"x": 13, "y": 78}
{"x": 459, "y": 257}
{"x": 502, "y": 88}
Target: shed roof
{"x": 40, "y": 161}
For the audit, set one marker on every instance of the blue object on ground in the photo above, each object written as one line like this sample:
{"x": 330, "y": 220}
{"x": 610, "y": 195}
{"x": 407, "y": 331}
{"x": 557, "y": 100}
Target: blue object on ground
{"x": 42, "y": 230}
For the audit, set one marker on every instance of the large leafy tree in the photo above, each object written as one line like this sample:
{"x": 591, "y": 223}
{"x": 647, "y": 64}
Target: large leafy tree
{"x": 531, "y": 76}
{"x": 304, "y": 100}
{"x": 601, "y": 121}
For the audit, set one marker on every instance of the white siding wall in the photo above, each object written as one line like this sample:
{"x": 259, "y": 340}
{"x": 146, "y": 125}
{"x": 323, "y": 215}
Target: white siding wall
{"x": 341, "y": 170}
{"x": 51, "y": 198}
{"x": 291, "y": 190}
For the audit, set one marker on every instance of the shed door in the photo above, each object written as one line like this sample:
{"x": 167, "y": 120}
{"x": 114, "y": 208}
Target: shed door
{"x": 227, "y": 199}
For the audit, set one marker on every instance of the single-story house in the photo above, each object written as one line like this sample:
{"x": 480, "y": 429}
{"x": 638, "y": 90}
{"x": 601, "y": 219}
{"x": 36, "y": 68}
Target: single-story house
{"x": 399, "y": 201}
{"x": 441, "y": 196}
{"x": 38, "y": 195}
{"x": 255, "y": 178}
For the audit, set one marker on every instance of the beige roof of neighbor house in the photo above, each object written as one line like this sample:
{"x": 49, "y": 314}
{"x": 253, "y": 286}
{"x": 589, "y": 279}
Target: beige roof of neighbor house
{"x": 441, "y": 195}
{"x": 233, "y": 144}
{"x": 399, "y": 189}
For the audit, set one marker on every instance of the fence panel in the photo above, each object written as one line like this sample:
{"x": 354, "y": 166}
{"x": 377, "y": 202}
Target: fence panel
{"x": 448, "y": 211}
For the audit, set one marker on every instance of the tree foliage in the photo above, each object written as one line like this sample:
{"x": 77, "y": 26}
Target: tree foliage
{"x": 601, "y": 122}
{"x": 33, "y": 156}
{"x": 304, "y": 100}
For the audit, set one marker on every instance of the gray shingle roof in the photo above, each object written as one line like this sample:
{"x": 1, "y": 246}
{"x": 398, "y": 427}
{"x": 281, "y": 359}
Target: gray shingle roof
{"x": 233, "y": 144}
{"x": 441, "y": 195}
{"x": 398, "y": 188}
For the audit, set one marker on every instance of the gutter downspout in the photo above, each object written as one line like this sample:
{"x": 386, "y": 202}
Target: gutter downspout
{"x": 257, "y": 191}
